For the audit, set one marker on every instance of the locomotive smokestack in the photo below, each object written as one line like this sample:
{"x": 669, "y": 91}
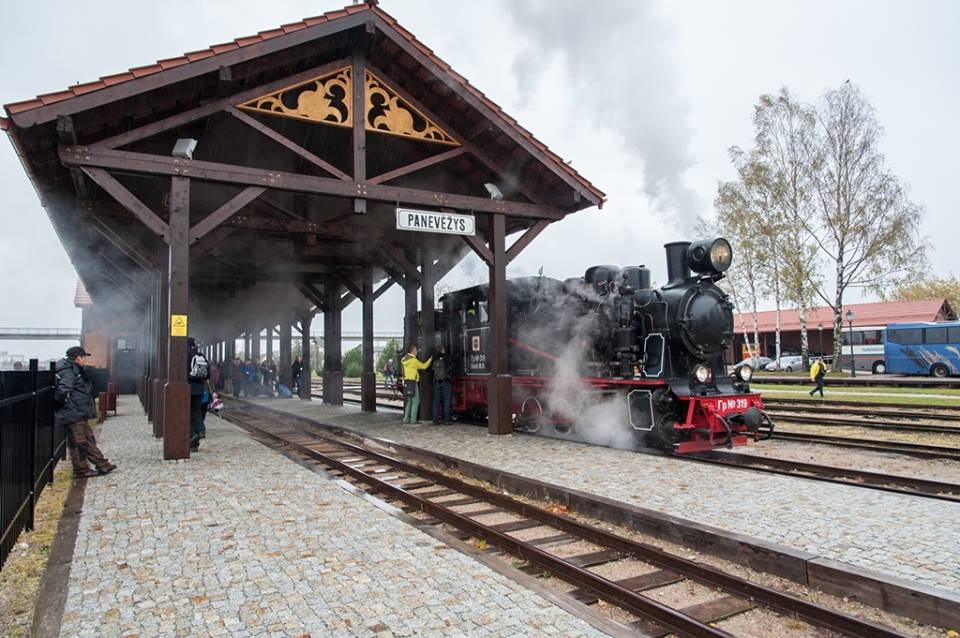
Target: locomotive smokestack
{"x": 677, "y": 269}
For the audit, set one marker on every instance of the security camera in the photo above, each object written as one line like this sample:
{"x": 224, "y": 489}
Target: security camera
{"x": 494, "y": 191}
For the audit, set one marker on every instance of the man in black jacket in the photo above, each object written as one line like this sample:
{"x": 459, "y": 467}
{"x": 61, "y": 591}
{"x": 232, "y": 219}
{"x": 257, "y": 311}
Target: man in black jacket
{"x": 73, "y": 397}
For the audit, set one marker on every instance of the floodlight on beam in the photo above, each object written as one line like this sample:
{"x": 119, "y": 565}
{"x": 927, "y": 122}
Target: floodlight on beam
{"x": 494, "y": 190}
{"x": 184, "y": 148}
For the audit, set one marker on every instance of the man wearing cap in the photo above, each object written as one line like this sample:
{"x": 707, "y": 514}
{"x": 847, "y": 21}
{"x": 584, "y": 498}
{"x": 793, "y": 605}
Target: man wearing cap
{"x": 73, "y": 398}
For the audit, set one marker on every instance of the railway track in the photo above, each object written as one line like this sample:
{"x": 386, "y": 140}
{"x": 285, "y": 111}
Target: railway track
{"x": 891, "y": 426}
{"x": 861, "y": 416}
{"x": 873, "y": 445}
{"x": 882, "y": 410}
{"x": 538, "y": 538}
{"x": 870, "y": 480}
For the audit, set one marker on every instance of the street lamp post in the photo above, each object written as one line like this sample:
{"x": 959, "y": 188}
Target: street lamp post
{"x": 820, "y": 338}
{"x": 853, "y": 363}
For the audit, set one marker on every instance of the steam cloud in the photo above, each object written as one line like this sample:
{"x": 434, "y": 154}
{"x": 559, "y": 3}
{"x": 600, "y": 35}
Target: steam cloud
{"x": 598, "y": 420}
{"x": 614, "y": 56}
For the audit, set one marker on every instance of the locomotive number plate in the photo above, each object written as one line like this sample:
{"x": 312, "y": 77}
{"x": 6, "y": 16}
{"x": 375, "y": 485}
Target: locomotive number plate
{"x": 729, "y": 405}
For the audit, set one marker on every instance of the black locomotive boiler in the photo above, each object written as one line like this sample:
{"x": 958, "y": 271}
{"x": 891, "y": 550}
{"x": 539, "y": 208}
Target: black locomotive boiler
{"x": 608, "y": 359}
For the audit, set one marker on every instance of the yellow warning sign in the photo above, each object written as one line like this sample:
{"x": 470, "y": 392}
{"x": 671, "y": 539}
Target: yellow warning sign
{"x": 178, "y": 325}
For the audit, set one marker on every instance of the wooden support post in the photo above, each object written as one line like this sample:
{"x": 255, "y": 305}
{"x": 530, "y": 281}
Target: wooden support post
{"x": 410, "y": 332}
{"x": 332, "y": 355}
{"x": 176, "y": 392}
{"x": 359, "y": 123}
{"x": 499, "y": 387}
{"x": 286, "y": 352}
{"x": 428, "y": 331}
{"x": 368, "y": 379}
{"x": 147, "y": 345}
{"x": 255, "y": 345}
{"x": 270, "y": 343}
{"x": 163, "y": 329}
{"x": 306, "y": 377}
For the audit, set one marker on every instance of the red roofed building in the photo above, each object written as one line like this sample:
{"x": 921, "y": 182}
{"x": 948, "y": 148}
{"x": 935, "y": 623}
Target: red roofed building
{"x": 820, "y": 324}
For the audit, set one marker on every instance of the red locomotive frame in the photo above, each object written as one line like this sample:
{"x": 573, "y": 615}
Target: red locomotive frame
{"x": 704, "y": 423}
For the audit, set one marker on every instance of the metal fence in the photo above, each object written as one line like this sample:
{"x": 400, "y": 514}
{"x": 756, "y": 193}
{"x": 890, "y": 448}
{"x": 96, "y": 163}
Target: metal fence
{"x": 30, "y": 446}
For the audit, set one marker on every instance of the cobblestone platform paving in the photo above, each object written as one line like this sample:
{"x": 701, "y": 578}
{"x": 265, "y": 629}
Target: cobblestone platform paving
{"x": 241, "y": 541}
{"x": 903, "y": 536}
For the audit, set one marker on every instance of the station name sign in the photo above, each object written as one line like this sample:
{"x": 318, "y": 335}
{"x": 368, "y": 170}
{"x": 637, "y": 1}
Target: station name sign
{"x": 429, "y": 221}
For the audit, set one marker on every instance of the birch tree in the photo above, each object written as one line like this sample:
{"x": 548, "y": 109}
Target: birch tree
{"x": 784, "y": 137}
{"x": 736, "y": 222}
{"x": 863, "y": 223}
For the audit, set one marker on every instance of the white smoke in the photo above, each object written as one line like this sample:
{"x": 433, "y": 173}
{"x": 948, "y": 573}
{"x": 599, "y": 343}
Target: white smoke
{"x": 614, "y": 55}
{"x": 597, "y": 419}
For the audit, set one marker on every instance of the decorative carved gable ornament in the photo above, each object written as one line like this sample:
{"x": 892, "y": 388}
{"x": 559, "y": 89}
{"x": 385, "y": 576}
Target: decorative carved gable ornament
{"x": 326, "y": 100}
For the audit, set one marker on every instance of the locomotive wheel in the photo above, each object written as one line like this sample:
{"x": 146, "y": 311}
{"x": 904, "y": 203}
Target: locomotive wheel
{"x": 531, "y": 417}
{"x": 663, "y": 434}
{"x": 564, "y": 416}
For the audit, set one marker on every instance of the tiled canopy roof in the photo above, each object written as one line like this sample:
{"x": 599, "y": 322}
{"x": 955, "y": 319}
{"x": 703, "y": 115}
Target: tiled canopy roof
{"x": 217, "y": 49}
{"x": 864, "y": 314}
{"x": 81, "y": 298}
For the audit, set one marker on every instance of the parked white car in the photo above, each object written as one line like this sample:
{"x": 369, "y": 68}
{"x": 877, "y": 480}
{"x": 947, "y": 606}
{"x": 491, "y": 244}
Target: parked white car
{"x": 757, "y": 363}
{"x": 787, "y": 364}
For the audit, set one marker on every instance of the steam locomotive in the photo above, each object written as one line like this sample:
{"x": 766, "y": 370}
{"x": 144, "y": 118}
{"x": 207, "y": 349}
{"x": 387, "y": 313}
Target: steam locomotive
{"x": 608, "y": 359}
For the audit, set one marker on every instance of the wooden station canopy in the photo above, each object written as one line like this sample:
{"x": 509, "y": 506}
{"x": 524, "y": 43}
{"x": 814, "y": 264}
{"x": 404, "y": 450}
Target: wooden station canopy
{"x": 309, "y": 137}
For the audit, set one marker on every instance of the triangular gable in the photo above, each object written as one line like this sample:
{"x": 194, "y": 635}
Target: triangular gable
{"x": 87, "y": 98}
{"x": 326, "y": 100}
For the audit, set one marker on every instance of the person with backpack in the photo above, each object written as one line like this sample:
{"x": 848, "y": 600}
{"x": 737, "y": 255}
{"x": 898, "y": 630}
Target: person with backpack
{"x": 198, "y": 371}
{"x": 411, "y": 380}
{"x": 817, "y": 373}
{"x": 441, "y": 386}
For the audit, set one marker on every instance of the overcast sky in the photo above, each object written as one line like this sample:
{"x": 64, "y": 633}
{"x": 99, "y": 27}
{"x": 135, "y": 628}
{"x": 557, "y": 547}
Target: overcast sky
{"x": 644, "y": 98}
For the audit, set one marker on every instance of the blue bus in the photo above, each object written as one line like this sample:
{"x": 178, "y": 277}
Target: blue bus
{"x": 923, "y": 348}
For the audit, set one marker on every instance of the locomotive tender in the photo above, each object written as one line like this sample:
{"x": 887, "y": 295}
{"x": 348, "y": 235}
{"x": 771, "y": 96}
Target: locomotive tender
{"x": 607, "y": 359}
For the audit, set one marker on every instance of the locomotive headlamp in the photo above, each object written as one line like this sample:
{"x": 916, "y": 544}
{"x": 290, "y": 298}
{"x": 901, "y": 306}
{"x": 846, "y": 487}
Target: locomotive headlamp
{"x": 710, "y": 255}
{"x": 745, "y": 373}
{"x": 701, "y": 373}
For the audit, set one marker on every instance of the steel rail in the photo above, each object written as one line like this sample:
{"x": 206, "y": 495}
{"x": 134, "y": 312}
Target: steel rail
{"x": 622, "y": 597}
{"x": 867, "y": 407}
{"x": 816, "y": 420}
{"x": 870, "y": 480}
{"x": 704, "y": 574}
{"x": 910, "y": 449}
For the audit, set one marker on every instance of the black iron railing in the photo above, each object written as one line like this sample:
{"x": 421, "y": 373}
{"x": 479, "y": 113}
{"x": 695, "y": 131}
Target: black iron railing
{"x": 30, "y": 446}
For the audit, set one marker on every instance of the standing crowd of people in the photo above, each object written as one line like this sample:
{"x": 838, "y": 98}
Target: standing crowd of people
{"x": 74, "y": 397}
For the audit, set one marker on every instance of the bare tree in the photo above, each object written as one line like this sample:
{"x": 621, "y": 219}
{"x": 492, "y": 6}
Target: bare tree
{"x": 736, "y": 224}
{"x": 784, "y": 136}
{"x": 764, "y": 225}
{"x": 863, "y": 223}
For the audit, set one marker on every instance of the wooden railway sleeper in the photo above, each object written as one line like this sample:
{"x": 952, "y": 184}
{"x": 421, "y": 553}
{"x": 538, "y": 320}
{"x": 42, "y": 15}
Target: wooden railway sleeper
{"x": 710, "y": 576}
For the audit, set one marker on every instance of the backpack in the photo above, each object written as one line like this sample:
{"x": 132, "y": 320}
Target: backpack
{"x": 439, "y": 370}
{"x": 199, "y": 368}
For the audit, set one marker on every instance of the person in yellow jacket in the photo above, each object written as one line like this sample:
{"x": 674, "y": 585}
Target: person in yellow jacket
{"x": 411, "y": 388}
{"x": 817, "y": 372}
